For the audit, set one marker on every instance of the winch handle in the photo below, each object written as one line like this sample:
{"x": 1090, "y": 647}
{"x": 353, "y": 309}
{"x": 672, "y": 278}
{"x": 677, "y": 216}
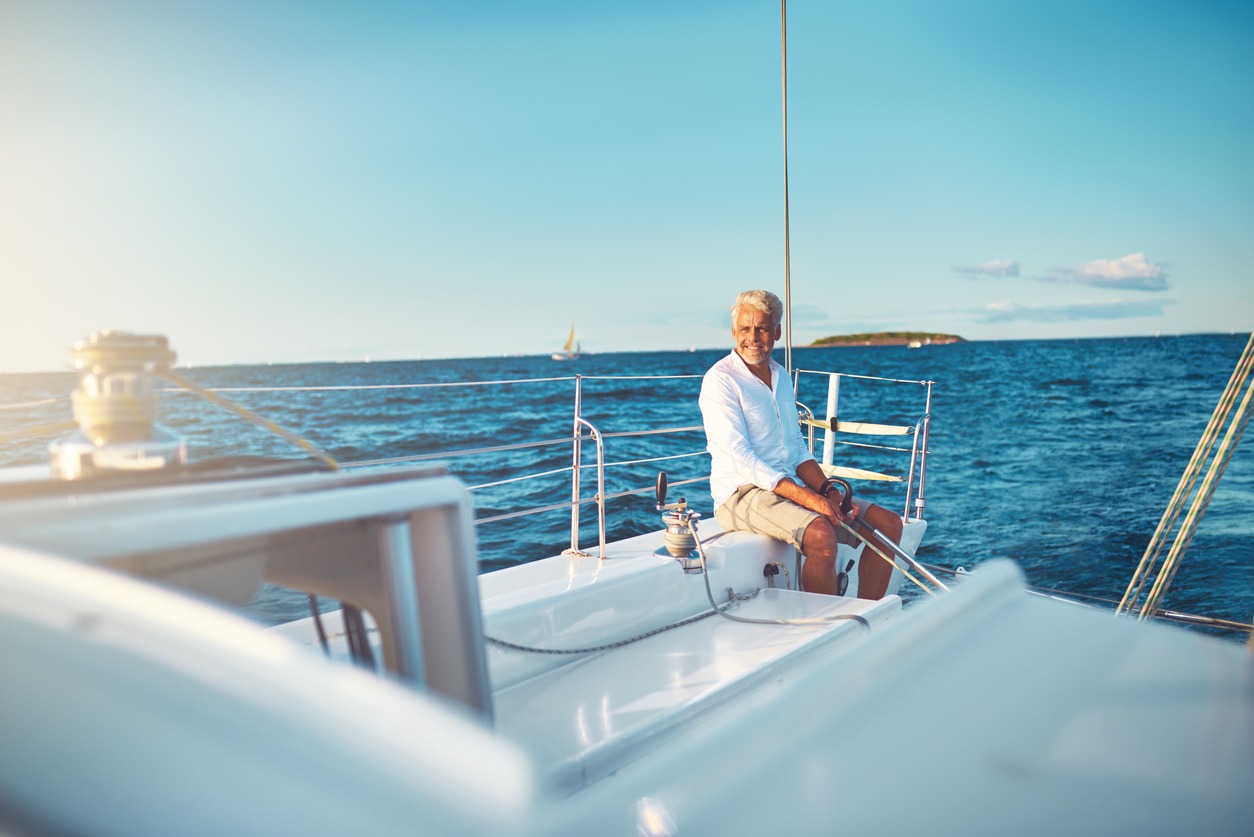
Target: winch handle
{"x": 661, "y": 489}
{"x": 846, "y": 502}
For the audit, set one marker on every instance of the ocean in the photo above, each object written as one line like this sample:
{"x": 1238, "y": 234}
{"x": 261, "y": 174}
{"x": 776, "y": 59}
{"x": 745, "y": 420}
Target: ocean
{"x": 1060, "y": 455}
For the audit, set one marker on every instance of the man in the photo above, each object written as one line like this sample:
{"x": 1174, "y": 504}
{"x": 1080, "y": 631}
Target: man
{"x": 762, "y": 477}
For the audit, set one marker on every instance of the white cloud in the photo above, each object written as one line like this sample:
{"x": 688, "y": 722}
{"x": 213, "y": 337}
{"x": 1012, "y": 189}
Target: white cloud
{"x": 997, "y": 267}
{"x": 1130, "y": 272}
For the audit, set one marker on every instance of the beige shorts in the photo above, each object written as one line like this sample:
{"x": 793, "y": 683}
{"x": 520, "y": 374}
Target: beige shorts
{"x": 752, "y": 509}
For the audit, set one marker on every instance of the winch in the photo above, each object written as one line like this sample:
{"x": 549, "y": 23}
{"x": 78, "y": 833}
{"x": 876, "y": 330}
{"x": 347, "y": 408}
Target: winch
{"x": 115, "y": 406}
{"x": 679, "y": 520}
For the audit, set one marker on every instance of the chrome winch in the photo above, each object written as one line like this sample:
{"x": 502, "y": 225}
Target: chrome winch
{"x": 680, "y": 521}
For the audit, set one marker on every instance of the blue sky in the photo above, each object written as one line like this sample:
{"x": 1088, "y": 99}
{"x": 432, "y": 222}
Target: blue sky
{"x": 280, "y": 181}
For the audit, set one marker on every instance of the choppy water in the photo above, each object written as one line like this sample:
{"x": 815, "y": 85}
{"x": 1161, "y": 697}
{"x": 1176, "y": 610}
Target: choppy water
{"x": 1060, "y": 455}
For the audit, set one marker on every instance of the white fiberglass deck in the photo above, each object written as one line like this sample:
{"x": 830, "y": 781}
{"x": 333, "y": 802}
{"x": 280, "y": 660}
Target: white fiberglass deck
{"x": 584, "y": 720}
{"x": 584, "y": 716}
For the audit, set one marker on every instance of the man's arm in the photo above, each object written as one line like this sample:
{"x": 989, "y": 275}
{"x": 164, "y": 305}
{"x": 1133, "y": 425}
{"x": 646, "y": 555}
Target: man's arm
{"x": 804, "y": 491}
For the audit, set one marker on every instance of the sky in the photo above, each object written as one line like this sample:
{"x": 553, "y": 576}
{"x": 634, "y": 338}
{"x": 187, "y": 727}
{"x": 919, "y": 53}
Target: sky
{"x": 295, "y": 180}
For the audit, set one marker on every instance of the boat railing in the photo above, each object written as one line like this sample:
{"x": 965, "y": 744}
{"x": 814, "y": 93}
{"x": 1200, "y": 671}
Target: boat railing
{"x": 866, "y": 437}
{"x": 597, "y": 430}
{"x": 584, "y": 430}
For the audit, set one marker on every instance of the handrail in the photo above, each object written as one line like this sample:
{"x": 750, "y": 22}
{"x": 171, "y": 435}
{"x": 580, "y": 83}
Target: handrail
{"x": 577, "y": 458}
{"x": 600, "y": 497}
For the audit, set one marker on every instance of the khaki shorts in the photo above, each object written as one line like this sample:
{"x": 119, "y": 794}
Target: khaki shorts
{"x": 752, "y": 509}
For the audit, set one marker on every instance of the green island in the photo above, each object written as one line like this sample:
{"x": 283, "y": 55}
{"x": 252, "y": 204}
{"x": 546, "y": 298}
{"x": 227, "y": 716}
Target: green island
{"x": 889, "y": 338}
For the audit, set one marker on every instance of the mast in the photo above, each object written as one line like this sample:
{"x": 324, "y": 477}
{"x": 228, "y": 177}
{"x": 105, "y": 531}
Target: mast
{"x": 783, "y": 38}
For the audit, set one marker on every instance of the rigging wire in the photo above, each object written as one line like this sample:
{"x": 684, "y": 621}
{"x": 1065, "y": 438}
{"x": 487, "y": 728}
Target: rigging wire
{"x": 1222, "y": 415}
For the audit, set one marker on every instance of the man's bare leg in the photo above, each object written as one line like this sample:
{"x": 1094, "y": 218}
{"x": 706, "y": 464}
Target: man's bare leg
{"x": 818, "y": 544}
{"x": 874, "y": 572}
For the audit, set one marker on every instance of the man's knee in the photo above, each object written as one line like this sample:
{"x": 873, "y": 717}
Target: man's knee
{"x": 819, "y": 541}
{"x": 886, "y": 521}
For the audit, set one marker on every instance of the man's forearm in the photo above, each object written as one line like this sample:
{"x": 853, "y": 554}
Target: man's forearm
{"x": 804, "y": 491}
{"x": 802, "y": 495}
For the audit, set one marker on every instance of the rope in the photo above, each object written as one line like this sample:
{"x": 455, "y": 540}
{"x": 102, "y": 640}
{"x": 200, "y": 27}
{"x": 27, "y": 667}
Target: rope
{"x": 817, "y": 620}
{"x": 1200, "y": 503}
{"x": 779, "y": 565}
{"x": 904, "y": 571}
{"x": 620, "y": 643}
{"x": 40, "y": 430}
{"x": 23, "y": 405}
{"x": 733, "y": 598}
{"x": 249, "y": 415}
{"x": 1202, "y": 452}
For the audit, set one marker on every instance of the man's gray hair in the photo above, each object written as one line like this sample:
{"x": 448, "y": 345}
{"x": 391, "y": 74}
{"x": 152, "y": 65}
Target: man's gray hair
{"x": 764, "y": 301}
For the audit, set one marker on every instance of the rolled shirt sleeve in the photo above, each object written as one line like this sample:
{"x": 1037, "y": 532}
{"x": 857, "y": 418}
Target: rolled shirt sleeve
{"x": 751, "y": 432}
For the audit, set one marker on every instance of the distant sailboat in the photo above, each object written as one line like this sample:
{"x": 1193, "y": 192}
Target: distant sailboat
{"x": 572, "y": 349}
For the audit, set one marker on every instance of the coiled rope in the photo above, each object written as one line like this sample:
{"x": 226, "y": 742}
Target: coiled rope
{"x": 1223, "y": 415}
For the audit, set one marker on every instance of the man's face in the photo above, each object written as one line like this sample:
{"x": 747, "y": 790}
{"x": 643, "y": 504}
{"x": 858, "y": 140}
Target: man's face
{"x": 755, "y": 335}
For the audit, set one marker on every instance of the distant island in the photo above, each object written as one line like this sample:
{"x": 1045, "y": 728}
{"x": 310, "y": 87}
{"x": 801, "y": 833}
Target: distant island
{"x": 889, "y": 338}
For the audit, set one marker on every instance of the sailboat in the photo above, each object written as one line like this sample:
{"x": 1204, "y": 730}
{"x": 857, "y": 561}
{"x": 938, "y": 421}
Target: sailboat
{"x": 572, "y": 349}
{"x": 606, "y": 692}
{"x": 578, "y": 693}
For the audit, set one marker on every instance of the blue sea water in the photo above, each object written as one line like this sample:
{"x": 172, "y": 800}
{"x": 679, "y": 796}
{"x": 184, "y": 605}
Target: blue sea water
{"x": 1059, "y": 455}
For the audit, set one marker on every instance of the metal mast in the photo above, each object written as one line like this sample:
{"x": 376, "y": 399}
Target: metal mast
{"x": 783, "y": 37}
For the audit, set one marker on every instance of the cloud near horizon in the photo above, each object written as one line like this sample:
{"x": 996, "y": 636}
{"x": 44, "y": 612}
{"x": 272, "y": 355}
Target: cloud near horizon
{"x": 1132, "y": 272}
{"x": 996, "y": 268}
{"x": 1005, "y": 311}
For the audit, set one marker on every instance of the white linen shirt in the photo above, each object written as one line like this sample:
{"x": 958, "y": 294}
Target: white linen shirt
{"x": 751, "y": 432}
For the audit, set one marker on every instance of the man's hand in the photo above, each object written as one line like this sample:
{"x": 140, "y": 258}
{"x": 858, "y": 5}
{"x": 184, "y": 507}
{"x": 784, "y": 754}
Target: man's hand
{"x": 833, "y": 501}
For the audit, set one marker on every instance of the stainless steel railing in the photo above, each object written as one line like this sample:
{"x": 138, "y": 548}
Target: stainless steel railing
{"x": 603, "y": 429}
{"x": 832, "y": 422}
{"x": 583, "y": 430}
